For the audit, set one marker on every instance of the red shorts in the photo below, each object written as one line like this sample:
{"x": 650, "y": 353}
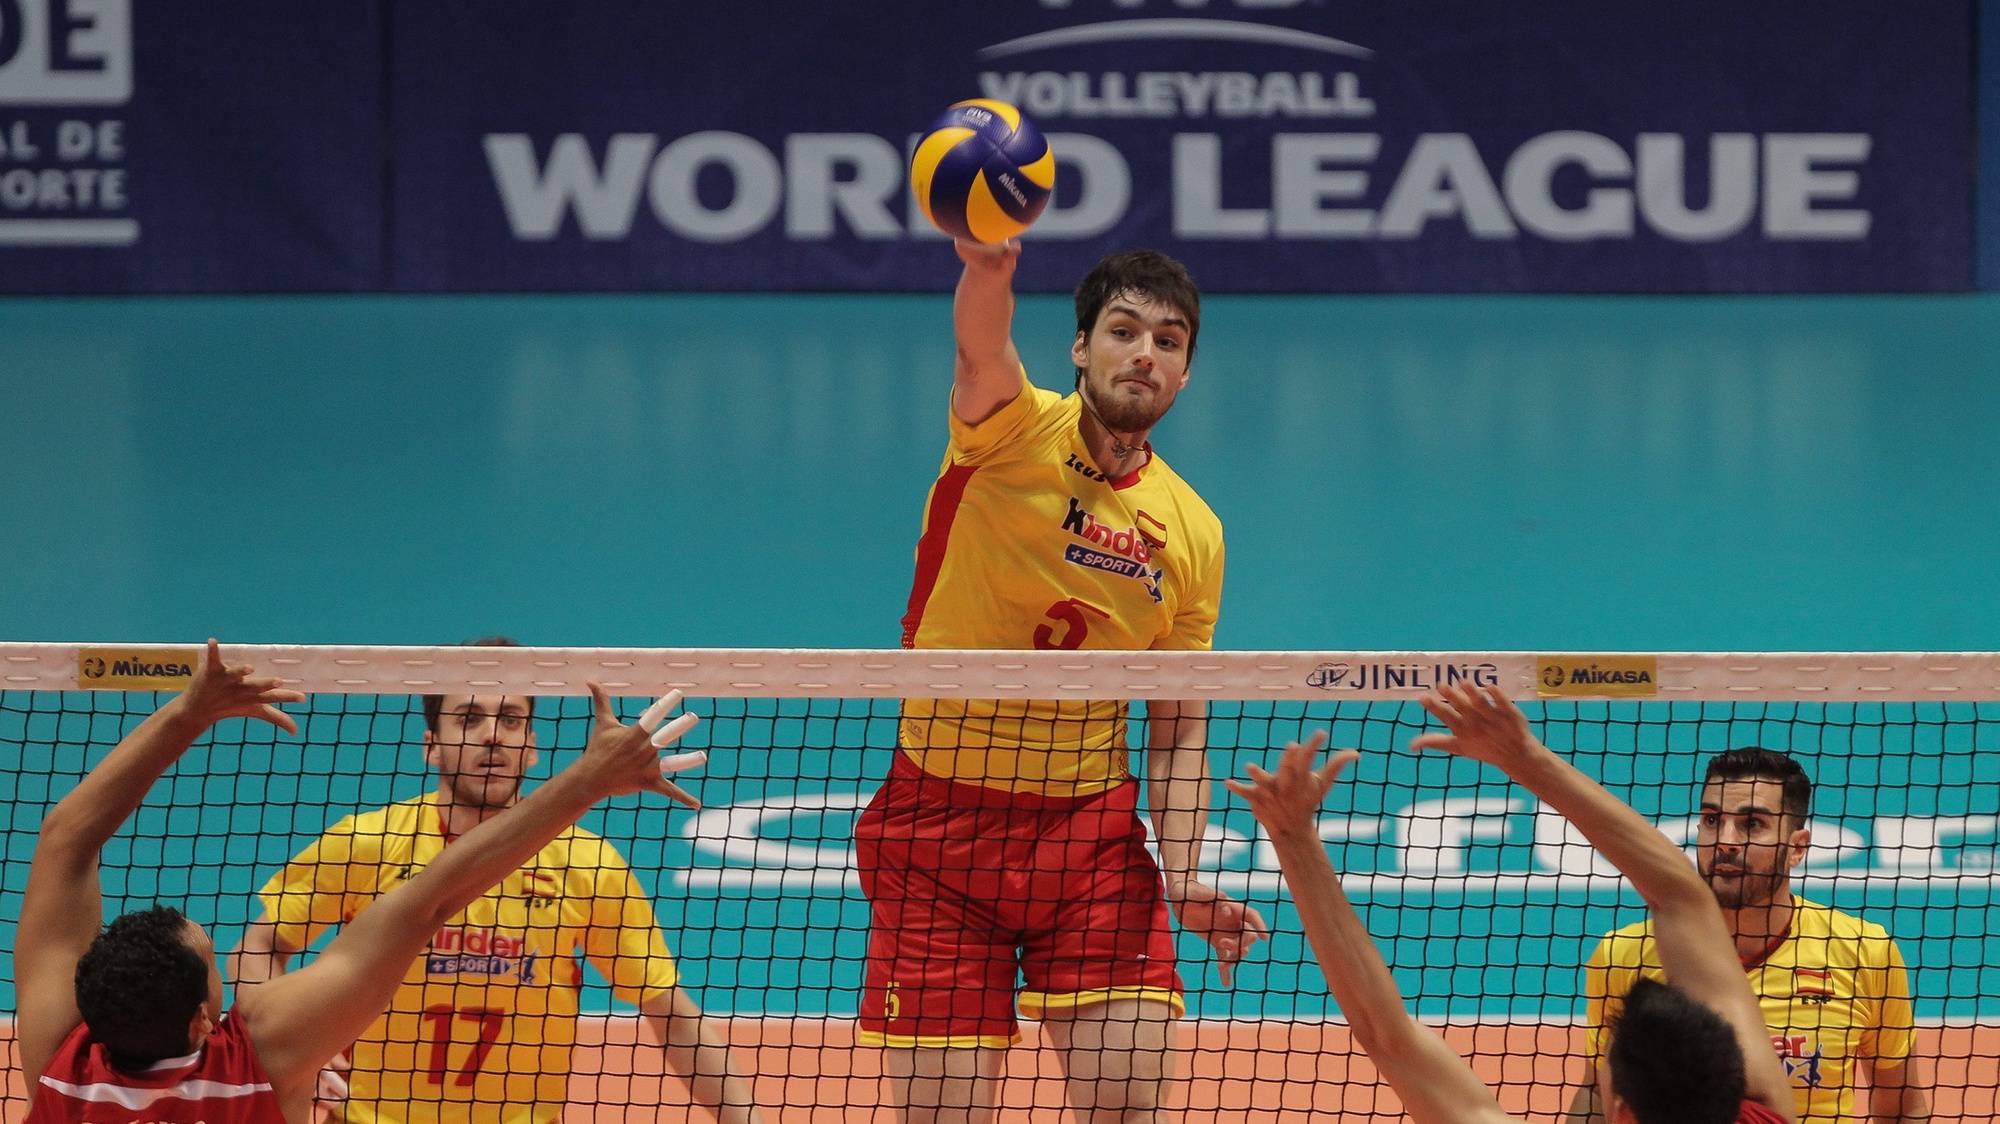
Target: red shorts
{"x": 971, "y": 888}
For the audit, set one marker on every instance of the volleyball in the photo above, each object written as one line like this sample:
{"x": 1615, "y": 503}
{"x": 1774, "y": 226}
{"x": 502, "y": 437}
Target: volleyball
{"x": 982, "y": 171}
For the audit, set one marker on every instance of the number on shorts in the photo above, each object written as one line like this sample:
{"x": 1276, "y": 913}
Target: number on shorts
{"x": 441, "y": 1017}
{"x": 1070, "y": 614}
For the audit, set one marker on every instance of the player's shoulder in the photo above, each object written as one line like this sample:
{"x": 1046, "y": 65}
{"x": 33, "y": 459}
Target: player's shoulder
{"x": 1625, "y": 947}
{"x": 1191, "y": 510}
{"x": 400, "y": 818}
{"x": 579, "y": 848}
{"x": 1817, "y": 919}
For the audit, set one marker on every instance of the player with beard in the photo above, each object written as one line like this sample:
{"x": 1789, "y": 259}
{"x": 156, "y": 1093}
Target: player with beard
{"x": 1833, "y": 988}
{"x": 1692, "y": 1052}
{"x": 482, "y": 1028}
{"x": 1003, "y": 859}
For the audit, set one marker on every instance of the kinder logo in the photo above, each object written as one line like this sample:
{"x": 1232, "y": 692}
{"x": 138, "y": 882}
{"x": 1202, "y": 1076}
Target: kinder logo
{"x": 65, "y": 52}
{"x": 1399, "y": 676}
{"x": 459, "y": 951}
{"x": 1126, "y": 541}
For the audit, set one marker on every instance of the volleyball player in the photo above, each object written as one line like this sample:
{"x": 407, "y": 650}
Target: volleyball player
{"x": 1833, "y": 989}
{"x": 484, "y": 1023}
{"x": 125, "y": 1023}
{"x": 1693, "y": 1052}
{"x": 1006, "y": 838}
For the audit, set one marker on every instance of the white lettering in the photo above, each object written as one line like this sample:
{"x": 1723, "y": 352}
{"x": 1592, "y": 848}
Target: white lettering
{"x": 1198, "y": 209}
{"x": 755, "y": 185}
{"x": 1443, "y": 178}
{"x": 1794, "y": 182}
{"x": 813, "y": 162}
{"x": 1530, "y": 187}
{"x": 1435, "y": 833}
{"x": 1300, "y": 182}
{"x": 536, "y": 199}
{"x": 1107, "y": 188}
{"x": 1732, "y": 186}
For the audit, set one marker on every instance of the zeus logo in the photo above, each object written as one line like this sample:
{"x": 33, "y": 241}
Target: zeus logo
{"x": 65, "y": 52}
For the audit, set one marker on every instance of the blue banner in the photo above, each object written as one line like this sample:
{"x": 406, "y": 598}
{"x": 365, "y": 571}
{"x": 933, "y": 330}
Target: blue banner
{"x": 189, "y": 147}
{"x": 1275, "y": 144}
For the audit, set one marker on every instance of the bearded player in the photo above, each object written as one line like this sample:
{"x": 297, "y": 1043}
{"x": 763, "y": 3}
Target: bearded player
{"x": 1004, "y": 860}
{"x": 1833, "y": 988}
{"x": 1693, "y": 1052}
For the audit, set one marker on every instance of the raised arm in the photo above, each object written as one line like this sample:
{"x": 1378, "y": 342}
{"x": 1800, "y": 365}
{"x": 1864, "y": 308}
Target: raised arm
{"x": 1695, "y": 946}
{"x": 1177, "y": 794}
{"x": 64, "y": 908}
{"x": 987, "y": 373}
{"x": 300, "y": 1020}
{"x": 1435, "y": 1084}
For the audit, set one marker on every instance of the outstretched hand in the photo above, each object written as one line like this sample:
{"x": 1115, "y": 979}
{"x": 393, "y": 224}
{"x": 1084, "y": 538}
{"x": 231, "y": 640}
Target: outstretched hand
{"x": 624, "y": 759}
{"x": 218, "y": 691}
{"x": 1485, "y": 726}
{"x": 1287, "y": 801}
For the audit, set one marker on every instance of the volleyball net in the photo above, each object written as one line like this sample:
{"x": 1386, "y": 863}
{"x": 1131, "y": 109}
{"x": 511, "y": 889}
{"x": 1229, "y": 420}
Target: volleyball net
{"x": 1484, "y": 903}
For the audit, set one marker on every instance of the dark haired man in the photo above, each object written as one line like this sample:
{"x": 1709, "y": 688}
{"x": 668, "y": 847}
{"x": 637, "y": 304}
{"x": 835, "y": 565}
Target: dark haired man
{"x": 1833, "y": 988}
{"x": 126, "y": 1024}
{"x": 485, "y": 1021}
{"x": 1690, "y": 1053}
{"x": 1003, "y": 859}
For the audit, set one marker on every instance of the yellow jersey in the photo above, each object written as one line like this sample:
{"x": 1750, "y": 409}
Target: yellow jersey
{"x": 1834, "y": 991}
{"x": 481, "y": 1029}
{"x": 1026, "y": 544}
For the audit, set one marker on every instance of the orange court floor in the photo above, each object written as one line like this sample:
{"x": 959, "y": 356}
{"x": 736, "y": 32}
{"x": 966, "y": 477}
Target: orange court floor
{"x": 808, "y": 1071}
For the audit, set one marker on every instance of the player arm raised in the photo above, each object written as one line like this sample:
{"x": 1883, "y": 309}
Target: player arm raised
{"x": 1177, "y": 794}
{"x": 298, "y": 1021}
{"x": 1695, "y": 946}
{"x": 987, "y": 372}
{"x": 64, "y": 907}
{"x": 1435, "y": 1084}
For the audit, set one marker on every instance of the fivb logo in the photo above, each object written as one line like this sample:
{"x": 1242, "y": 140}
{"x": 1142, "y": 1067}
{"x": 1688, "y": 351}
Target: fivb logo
{"x": 65, "y": 52}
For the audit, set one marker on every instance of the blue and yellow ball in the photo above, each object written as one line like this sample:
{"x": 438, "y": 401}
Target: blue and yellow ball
{"x": 983, "y": 171}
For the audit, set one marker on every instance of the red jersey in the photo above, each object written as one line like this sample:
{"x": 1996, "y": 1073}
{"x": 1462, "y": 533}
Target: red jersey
{"x": 221, "y": 1083}
{"x": 1754, "y": 1113}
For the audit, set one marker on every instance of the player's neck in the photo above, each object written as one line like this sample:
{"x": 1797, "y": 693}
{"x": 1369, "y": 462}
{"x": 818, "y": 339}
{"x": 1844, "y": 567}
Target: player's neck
{"x": 1115, "y": 454}
{"x": 1758, "y": 927}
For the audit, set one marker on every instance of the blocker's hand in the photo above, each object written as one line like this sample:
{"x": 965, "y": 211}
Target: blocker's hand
{"x": 218, "y": 691}
{"x": 1485, "y": 726}
{"x": 625, "y": 759}
{"x": 1287, "y": 802}
{"x": 1229, "y": 926}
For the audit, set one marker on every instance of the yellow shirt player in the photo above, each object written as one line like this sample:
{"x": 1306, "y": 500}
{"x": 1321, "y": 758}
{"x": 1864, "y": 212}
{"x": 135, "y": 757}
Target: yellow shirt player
{"x": 1003, "y": 859}
{"x": 482, "y": 1028}
{"x": 1833, "y": 988}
